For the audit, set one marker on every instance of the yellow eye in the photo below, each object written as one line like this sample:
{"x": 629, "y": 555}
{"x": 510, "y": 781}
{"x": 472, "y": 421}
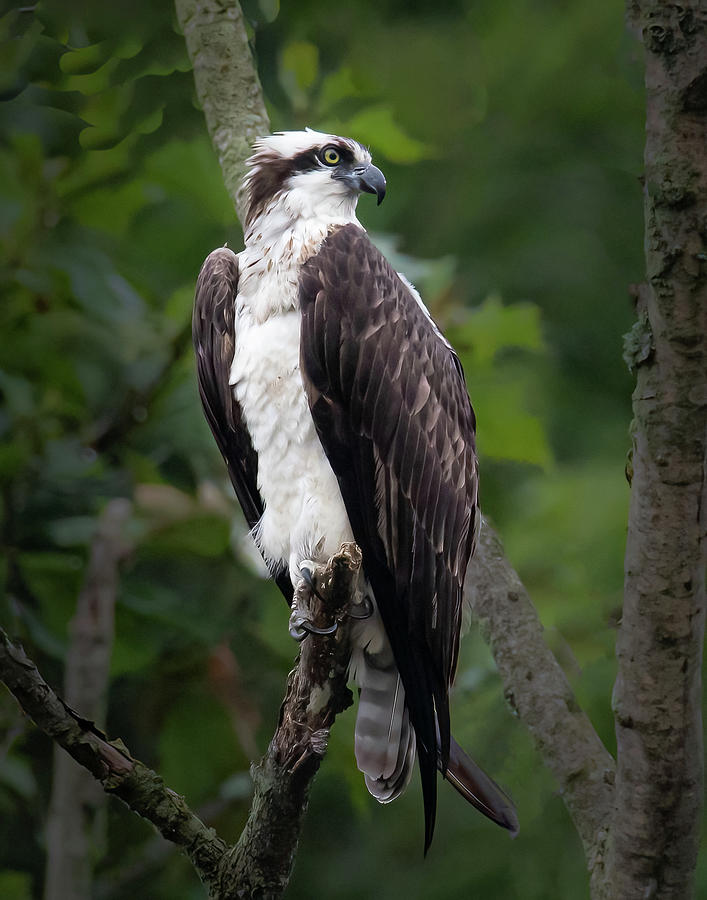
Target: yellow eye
{"x": 330, "y": 156}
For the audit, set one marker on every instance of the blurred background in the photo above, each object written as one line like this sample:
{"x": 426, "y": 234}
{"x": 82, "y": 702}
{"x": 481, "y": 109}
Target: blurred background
{"x": 511, "y": 137}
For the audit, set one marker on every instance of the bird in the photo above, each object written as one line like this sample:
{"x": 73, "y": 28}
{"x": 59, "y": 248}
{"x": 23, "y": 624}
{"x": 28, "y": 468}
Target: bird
{"x": 342, "y": 414}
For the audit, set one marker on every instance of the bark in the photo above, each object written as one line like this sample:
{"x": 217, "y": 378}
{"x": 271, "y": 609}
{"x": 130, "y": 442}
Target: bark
{"x": 109, "y": 762}
{"x": 659, "y": 780}
{"x": 651, "y": 835}
{"x": 76, "y": 825}
{"x": 227, "y": 84}
{"x": 262, "y": 861}
{"x": 538, "y": 691}
{"x": 260, "y": 864}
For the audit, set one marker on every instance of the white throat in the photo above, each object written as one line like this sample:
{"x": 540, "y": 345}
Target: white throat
{"x": 290, "y": 230}
{"x": 301, "y": 210}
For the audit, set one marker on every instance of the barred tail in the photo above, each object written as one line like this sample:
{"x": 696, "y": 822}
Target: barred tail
{"x": 384, "y": 738}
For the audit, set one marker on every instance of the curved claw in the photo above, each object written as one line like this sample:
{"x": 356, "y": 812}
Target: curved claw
{"x": 367, "y": 610}
{"x": 313, "y": 629}
{"x": 300, "y": 631}
{"x": 306, "y": 574}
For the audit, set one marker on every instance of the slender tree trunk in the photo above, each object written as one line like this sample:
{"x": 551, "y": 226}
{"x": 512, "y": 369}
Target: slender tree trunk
{"x": 641, "y": 837}
{"x": 75, "y": 826}
{"x": 659, "y": 780}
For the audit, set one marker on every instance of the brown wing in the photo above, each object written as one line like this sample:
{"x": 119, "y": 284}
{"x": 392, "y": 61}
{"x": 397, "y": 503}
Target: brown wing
{"x": 388, "y": 398}
{"x": 213, "y": 332}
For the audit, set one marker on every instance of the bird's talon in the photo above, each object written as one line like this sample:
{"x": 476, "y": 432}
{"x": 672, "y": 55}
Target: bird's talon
{"x": 313, "y": 629}
{"x": 298, "y": 633}
{"x": 300, "y": 630}
{"x": 367, "y": 611}
{"x": 305, "y": 569}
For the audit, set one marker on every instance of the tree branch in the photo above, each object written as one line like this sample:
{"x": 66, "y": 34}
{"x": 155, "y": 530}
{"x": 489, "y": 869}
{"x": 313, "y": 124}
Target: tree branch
{"x": 316, "y": 692}
{"x": 537, "y": 689}
{"x": 227, "y": 84}
{"x": 259, "y": 865}
{"x": 228, "y": 87}
{"x": 659, "y": 780}
{"x": 110, "y": 762}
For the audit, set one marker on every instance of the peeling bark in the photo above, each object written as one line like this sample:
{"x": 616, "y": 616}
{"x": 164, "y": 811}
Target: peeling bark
{"x": 657, "y": 704}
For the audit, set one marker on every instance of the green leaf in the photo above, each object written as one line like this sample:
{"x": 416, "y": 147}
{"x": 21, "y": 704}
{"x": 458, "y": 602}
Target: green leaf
{"x": 377, "y": 127}
{"x": 300, "y": 60}
{"x": 72, "y": 531}
{"x": 202, "y": 535}
{"x": 198, "y": 748}
{"x": 494, "y": 326}
{"x": 15, "y": 885}
{"x": 505, "y": 427}
{"x": 269, "y": 9}
{"x": 85, "y": 60}
{"x": 18, "y": 394}
{"x": 338, "y": 86}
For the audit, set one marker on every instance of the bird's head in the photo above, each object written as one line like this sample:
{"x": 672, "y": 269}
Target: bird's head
{"x": 308, "y": 174}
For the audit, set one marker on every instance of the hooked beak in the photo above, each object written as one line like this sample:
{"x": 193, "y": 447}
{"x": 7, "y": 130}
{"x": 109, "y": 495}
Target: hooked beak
{"x": 364, "y": 178}
{"x": 372, "y": 181}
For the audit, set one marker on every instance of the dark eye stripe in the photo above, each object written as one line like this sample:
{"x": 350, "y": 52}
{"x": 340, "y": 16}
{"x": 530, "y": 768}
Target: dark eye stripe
{"x": 273, "y": 171}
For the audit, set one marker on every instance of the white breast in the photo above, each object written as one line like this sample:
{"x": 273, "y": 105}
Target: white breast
{"x": 304, "y": 516}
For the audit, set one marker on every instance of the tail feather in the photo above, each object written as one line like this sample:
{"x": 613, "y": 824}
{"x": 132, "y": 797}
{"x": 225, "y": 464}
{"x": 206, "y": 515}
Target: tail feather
{"x": 390, "y": 786}
{"x": 478, "y": 789}
{"x": 384, "y": 740}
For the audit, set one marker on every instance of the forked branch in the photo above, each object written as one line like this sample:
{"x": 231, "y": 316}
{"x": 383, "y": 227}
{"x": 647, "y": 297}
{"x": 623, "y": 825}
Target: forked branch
{"x": 235, "y": 114}
{"x": 259, "y": 865}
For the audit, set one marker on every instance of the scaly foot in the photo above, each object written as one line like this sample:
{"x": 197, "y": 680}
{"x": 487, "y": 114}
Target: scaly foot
{"x": 300, "y": 621}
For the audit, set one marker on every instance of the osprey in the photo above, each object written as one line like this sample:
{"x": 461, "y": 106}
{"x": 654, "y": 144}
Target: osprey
{"x": 342, "y": 414}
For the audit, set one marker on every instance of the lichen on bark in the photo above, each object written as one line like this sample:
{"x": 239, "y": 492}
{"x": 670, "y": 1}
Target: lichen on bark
{"x": 659, "y": 783}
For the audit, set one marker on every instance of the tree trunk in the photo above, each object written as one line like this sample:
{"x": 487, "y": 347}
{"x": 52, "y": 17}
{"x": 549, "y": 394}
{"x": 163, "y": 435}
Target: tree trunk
{"x": 659, "y": 779}
{"x": 76, "y": 822}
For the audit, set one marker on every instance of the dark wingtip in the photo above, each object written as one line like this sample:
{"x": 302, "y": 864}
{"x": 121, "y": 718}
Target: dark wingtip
{"x": 428, "y": 777}
{"x": 481, "y": 791}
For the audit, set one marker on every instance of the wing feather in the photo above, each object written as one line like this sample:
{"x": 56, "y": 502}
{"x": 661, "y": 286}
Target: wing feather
{"x": 213, "y": 333}
{"x": 389, "y": 401}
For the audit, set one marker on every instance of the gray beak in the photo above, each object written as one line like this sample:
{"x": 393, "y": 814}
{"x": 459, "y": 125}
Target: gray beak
{"x": 372, "y": 181}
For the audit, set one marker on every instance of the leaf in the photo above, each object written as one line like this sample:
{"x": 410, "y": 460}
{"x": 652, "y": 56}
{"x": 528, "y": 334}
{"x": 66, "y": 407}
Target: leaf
{"x": 72, "y": 531}
{"x": 198, "y": 747}
{"x": 18, "y": 394}
{"x": 506, "y": 429}
{"x": 377, "y": 127}
{"x": 15, "y": 885}
{"x": 299, "y": 61}
{"x": 202, "y": 535}
{"x": 337, "y": 86}
{"x": 494, "y": 326}
{"x": 86, "y": 60}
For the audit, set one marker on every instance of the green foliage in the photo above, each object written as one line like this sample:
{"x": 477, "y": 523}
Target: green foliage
{"x": 15, "y": 885}
{"x": 511, "y": 139}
